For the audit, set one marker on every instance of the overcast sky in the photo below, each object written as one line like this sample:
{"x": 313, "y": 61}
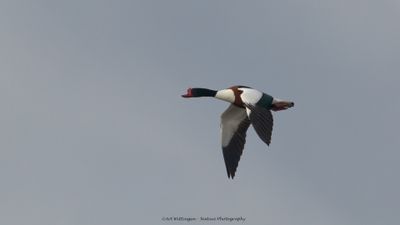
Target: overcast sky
{"x": 93, "y": 130}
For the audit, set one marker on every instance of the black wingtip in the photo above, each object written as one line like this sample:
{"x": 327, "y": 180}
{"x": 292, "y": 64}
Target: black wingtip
{"x": 230, "y": 175}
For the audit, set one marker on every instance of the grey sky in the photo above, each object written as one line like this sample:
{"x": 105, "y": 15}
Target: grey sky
{"x": 93, "y": 129}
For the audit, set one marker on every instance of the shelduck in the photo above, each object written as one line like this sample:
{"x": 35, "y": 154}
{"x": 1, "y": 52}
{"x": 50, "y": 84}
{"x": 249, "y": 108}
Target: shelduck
{"x": 248, "y": 106}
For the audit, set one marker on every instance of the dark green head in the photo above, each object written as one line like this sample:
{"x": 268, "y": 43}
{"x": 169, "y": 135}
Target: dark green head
{"x": 199, "y": 92}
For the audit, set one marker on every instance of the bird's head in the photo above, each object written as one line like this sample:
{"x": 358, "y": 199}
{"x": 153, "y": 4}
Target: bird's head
{"x": 199, "y": 92}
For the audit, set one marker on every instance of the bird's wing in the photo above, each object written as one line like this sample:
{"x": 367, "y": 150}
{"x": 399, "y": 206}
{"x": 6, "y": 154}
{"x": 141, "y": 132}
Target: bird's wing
{"x": 262, "y": 121}
{"x": 234, "y": 124}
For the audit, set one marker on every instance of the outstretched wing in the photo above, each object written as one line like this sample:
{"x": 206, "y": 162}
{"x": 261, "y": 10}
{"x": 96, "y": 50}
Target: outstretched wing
{"x": 262, "y": 121}
{"x": 234, "y": 124}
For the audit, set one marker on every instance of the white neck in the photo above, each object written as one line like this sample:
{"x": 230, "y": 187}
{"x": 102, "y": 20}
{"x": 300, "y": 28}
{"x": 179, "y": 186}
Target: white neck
{"x": 226, "y": 95}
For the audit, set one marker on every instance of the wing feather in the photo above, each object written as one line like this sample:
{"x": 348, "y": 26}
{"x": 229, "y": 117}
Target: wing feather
{"x": 262, "y": 121}
{"x": 234, "y": 124}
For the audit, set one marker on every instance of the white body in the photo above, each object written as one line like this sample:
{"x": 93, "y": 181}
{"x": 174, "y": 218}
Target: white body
{"x": 249, "y": 96}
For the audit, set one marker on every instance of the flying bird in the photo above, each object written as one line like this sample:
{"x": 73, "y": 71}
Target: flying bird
{"x": 248, "y": 106}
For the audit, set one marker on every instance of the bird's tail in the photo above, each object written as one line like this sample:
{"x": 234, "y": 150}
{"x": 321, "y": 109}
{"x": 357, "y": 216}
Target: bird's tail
{"x": 278, "y": 105}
